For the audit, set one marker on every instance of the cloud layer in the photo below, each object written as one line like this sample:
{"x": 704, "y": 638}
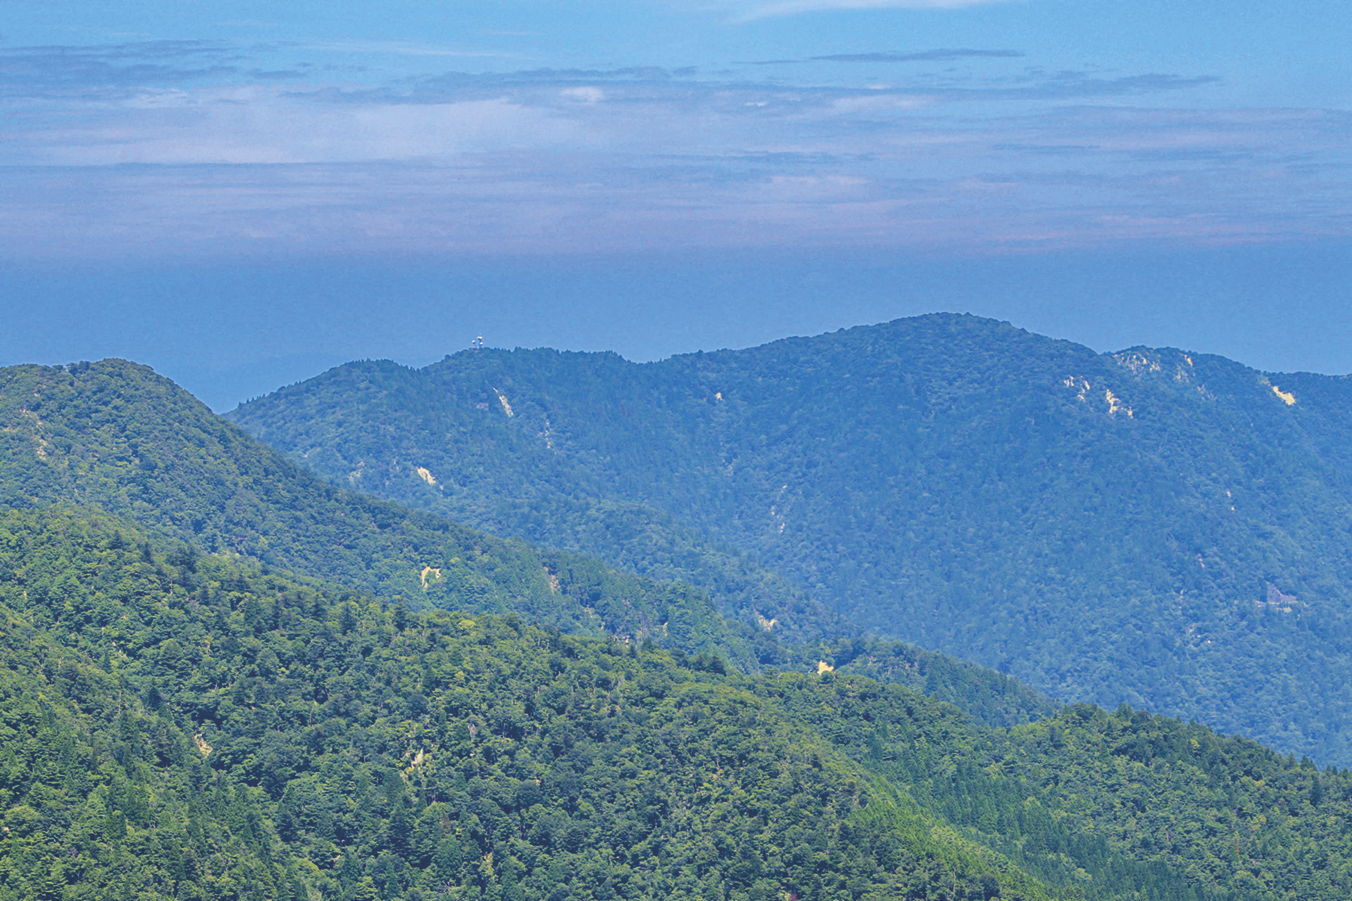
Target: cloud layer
{"x": 195, "y": 148}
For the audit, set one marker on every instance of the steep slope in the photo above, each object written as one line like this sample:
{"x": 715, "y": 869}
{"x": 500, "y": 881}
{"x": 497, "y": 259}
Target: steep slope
{"x": 1161, "y": 528}
{"x": 460, "y": 447}
{"x": 190, "y": 726}
{"x": 116, "y": 436}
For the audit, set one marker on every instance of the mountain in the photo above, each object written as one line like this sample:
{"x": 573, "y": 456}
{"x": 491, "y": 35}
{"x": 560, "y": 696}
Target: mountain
{"x": 193, "y": 726}
{"x": 1155, "y": 527}
{"x": 499, "y": 468}
{"x": 115, "y": 437}
{"x": 217, "y": 680}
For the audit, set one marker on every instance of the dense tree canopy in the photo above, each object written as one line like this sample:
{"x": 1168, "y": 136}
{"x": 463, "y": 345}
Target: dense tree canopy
{"x": 178, "y": 725}
{"x": 114, "y": 434}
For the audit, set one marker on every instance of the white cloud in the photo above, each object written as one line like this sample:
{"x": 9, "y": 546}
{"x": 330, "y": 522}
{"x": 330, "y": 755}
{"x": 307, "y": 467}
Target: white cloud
{"x": 216, "y": 127}
{"x": 777, "y": 8}
{"x": 538, "y": 161}
{"x": 878, "y": 103}
{"x": 584, "y": 94}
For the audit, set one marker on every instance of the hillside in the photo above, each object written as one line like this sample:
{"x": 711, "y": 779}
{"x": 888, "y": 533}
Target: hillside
{"x": 187, "y": 717}
{"x": 114, "y": 436}
{"x": 1155, "y": 527}
{"x": 493, "y": 462}
{"x": 191, "y": 726}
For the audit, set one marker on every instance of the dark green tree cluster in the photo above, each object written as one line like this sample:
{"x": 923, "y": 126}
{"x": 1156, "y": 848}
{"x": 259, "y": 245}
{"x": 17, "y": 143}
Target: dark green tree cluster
{"x": 988, "y": 696}
{"x": 1116, "y": 805}
{"x": 188, "y": 726}
{"x": 182, "y": 725}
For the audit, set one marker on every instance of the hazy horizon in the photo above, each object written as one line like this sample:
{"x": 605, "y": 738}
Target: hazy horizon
{"x": 238, "y": 194}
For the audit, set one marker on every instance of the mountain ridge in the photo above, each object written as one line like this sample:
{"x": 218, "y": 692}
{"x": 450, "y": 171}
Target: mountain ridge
{"x": 1103, "y": 526}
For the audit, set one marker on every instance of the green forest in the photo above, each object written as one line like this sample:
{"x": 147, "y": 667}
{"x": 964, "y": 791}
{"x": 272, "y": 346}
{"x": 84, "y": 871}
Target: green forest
{"x": 222, "y": 677}
{"x": 184, "y": 725}
{"x": 118, "y": 437}
{"x": 1164, "y": 529}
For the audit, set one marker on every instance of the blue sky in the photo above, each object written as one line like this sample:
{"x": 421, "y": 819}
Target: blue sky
{"x": 240, "y": 193}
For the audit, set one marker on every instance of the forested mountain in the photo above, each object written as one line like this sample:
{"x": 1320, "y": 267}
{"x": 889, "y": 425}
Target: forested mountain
{"x": 116, "y": 437}
{"x": 1163, "y": 528}
{"x": 196, "y": 726}
{"x": 221, "y": 678}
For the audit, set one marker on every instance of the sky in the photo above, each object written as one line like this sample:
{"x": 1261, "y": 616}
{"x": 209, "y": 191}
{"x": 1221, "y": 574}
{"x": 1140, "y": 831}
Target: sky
{"x": 242, "y": 194}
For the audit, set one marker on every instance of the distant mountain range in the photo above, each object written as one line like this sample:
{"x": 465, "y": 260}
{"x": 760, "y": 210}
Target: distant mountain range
{"x": 1167, "y": 529}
